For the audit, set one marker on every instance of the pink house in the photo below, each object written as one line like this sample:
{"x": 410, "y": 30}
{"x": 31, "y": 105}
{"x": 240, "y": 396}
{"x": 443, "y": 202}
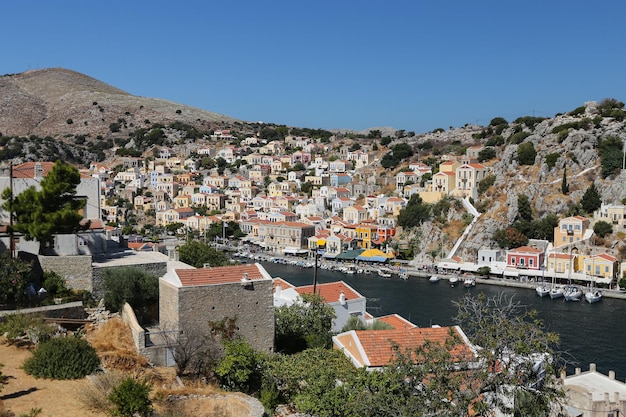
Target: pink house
{"x": 525, "y": 257}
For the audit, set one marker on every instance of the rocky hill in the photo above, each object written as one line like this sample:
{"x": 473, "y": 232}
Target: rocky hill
{"x": 58, "y": 113}
{"x": 568, "y": 145}
{"x": 56, "y": 101}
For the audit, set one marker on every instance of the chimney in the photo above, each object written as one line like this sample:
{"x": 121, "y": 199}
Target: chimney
{"x": 342, "y": 298}
{"x": 38, "y": 171}
{"x": 577, "y": 371}
{"x": 612, "y": 375}
{"x": 592, "y": 367}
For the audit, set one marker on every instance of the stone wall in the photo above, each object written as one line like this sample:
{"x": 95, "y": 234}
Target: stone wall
{"x": 155, "y": 268}
{"x": 76, "y": 270}
{"x": 251, "y": 305}
{"x": 73, "y": 310}
{"x": 168, "y": 306}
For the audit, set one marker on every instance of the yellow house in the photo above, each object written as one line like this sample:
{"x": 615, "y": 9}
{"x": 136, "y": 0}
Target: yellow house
{"x": 570, "y": 230}
{"x": 444, "y": 182}
{"x": 365, "y": 234}
{"x": 601, "y": 265}
{"x": 561, "y": 262}
{"x": 183, "y": 200}
{"x": 274, "y": 190}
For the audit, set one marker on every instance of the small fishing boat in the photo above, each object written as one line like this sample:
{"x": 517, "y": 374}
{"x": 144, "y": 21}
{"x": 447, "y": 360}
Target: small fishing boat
{"x": 403, "y": 275}
{"x": 469, "y": 282}
{"x": 453, "y": 280}
{"x": 434, "y": 278}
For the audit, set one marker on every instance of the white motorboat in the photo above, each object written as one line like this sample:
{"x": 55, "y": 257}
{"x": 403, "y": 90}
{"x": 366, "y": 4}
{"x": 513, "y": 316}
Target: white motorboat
{"x": 434, "y": 278}
{"x": 384, "y": 274}
{"x": 556, "y": 291}
{"x": 469, "y": 282}
{"x": 572, "y": 293}
{"x": 403, "y": 275}
{"x": 453, "y": 280}
{"x": 542, "y": 290}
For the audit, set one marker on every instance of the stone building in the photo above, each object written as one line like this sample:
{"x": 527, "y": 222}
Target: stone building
{"x": 593, "y": 394}
{"x": 191, "y": 298}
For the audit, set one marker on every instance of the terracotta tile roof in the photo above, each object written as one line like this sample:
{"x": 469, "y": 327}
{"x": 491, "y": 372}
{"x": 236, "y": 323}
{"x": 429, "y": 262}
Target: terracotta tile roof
{"x": 526, "y": 249}
{"x": 378, "y": 348}
{"x": 398, "y": 322}
{"x": 330, "y": 291}
{"x": 220, "y": 275}
{"x": 27, "y": 170}
{"x": 607, "y": 257}
{"x": 283, "y": 284}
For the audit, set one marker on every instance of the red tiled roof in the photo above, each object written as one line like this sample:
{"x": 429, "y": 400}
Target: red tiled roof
{"x": 396, "y": 321}
{"x": 378, "y": 346}
{"x": 218, "y": 275}
{"x": 283, "y": 284}
{"x": 27, "y": 170}
{"x": 330, "y": 291}
{"x": 526, "y": 249}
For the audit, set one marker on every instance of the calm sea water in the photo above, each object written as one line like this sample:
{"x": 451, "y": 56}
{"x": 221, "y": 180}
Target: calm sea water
{"x": 589, "y": 332}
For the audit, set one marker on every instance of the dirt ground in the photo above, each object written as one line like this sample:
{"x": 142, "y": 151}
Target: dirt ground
{"x": 59, "y": 398}
{"x": 24, "y": 392}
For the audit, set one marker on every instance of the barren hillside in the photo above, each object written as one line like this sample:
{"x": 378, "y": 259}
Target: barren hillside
{"x": 57, "y": 101}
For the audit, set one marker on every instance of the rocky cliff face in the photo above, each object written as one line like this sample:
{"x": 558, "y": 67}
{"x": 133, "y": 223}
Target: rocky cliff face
{"x": 578, "y": 157}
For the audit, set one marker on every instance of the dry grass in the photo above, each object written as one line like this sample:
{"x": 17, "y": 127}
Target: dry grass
{"x": 114, "y": 344}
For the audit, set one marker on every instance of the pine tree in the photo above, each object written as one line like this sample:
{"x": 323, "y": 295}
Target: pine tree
{"x": 564, "y": 184}
{"x": 591, "y": 200}
{"x": 54, "y": 209}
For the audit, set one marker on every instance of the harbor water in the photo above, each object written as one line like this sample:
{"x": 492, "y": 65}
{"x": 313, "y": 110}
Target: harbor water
{"x": 588, "y": 332}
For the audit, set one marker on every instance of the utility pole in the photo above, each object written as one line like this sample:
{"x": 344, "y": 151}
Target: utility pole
{"x": 11, "y": 238}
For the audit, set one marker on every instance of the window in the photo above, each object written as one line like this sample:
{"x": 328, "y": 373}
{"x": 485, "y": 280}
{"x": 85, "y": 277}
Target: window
{"x": 530, "y": 262}
{"x": 513, "y": 260}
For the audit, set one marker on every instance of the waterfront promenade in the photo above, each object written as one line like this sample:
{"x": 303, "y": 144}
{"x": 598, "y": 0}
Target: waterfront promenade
{"x": 413, "y": 272}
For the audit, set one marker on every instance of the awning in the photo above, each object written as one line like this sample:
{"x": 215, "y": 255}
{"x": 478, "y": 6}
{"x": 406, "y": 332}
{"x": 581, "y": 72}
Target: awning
{"x": 510, "y": 273}
{"x": 350, "y": 255}
{"x": 321, "y": 242}
{"x": 374, "y": 255}
{"x": 294, "y": 250}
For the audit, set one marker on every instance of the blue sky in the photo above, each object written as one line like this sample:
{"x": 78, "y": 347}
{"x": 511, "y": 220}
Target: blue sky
{"x": 409, "y": 64}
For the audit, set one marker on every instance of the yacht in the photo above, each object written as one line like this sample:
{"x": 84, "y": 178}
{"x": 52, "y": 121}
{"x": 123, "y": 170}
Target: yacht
{"x": 542, "y": 290}
{"x": 556, "y": 291}
{"x": 572, "y": 293}
{"x": 593, "y": 296}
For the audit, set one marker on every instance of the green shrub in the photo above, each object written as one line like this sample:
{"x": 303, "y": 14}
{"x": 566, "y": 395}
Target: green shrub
{"x": 517, "y": 138}
{"x": 132, "y": 285}
{"x": 131, "y": 397}
{"x": 485, "y": 183}
{"x": 495, "y": 141}
{"x": 486, "y": 154}
{"x": 55, "y": 284}
{"x": 18, "y": 325}
{"x": 563, "y": 134}
{"x": 526, "y": 154}
{"x": 551, "y": 159}
{"x": 577, "y": 111}
{"x": 62, "y": 358}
